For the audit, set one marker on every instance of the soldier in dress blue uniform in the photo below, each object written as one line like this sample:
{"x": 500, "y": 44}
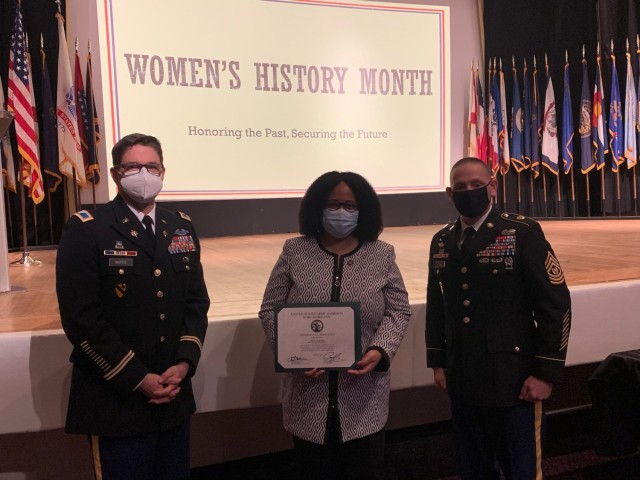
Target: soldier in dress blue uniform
{"x": 134, "y": 304}
{"x": 497, "y": 328}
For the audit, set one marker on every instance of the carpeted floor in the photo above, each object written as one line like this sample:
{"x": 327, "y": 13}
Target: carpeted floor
{"x": 428, "y": 453}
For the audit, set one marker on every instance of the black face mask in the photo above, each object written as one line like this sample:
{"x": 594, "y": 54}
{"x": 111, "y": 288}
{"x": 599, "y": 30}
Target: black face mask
{"x": 471, "y": 203}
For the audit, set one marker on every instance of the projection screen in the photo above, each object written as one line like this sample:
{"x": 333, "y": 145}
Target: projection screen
{"x": 256, "y": 98}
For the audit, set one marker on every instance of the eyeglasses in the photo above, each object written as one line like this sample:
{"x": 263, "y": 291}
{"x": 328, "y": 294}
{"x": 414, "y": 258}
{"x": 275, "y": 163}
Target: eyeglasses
{"x": 335, "y": 205}
{"x": 127, "y": 169}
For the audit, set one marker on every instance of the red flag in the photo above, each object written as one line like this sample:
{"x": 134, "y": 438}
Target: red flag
{"x": 20, "y": 102}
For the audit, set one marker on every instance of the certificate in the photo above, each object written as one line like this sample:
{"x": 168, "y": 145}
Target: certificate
{"x": 317, "y": 335}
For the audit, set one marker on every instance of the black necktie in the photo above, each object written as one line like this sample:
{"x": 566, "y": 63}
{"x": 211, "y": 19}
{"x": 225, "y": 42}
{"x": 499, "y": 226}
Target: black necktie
{"x": 149, "y": 236}
{"x": 468, "y": 234}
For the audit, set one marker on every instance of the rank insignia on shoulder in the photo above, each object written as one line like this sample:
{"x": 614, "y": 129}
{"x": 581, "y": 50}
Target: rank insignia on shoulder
{"x": 185, "y": 216}
{"x": 84, "y": 216}
{"x": 556, "y": 276}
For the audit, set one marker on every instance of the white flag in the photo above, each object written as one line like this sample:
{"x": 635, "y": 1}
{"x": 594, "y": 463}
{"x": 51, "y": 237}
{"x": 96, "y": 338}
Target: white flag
{"x": 630, "y": 118}
{"x": 69, "y": 149}
{"x": 550, "y": 150}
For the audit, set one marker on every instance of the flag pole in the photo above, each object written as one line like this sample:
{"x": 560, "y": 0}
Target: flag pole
{"x": 536, "y": 142}
{"x": 602, "y": 195}
{"x": 93, "y": 177}
{"x": 513, "y": 120}
{"x": 34, "y": 209}
{"x": 46, "y": 177}
{"x": 570, "y": 173}
{"x": 559, "y": 194}
{"x": 26, "y": 260}
{"x": 586, "y": 177}
{"x": 9, "y": 219}
{"x": 501, "y": 160}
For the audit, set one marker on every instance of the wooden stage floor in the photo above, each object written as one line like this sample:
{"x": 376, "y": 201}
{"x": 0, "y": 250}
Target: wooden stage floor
{"x": 237, "y": 268}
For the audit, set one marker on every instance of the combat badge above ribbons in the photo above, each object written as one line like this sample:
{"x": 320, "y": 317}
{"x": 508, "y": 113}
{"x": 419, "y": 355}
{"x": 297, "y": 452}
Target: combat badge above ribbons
{"x": 551, "y": 264}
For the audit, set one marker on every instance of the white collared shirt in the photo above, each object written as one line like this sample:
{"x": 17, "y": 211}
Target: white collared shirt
{"x": 139, "y": 215}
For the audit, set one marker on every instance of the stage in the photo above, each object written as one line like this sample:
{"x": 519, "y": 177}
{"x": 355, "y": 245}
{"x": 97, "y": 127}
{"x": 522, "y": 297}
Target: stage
{"x": 235, "y": 385}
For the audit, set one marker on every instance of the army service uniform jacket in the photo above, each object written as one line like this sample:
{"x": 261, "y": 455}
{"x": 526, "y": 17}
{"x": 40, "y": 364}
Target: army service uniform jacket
{"x": 497, "y": 314}
{"x": 129, "y": 311}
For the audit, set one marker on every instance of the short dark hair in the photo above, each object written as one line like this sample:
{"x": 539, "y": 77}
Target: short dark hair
{"x": 128, "y": 141}
{"x": 315, "y": 199}
{"x": 467, "y": 161}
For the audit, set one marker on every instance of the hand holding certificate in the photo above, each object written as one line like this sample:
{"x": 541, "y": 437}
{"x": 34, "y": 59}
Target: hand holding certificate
{"x": 317, "y": 335}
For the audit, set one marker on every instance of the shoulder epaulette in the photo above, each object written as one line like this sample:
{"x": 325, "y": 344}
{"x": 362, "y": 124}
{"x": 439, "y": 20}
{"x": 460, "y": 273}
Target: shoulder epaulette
{"x": 512, "y": 217}
{"x": 185, "y": 216}
{"x": 84, "y": 216}
{"x": 447, "y": 227}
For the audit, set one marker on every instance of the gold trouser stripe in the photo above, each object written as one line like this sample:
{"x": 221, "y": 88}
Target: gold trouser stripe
{"x": 97, "y": 465}
{"x": 538, "y": 428}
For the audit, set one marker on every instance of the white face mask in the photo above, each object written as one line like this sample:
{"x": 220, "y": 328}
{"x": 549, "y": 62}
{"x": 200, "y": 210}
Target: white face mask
{"x": 142, "y": 187}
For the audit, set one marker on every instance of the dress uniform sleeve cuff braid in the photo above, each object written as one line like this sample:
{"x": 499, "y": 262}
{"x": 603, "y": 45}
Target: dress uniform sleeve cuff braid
{"x": 130, "y": 374}
{"x": 189, "y": 350}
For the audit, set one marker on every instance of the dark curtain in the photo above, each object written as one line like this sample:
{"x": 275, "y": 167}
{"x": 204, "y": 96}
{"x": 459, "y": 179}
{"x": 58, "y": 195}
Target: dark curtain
{"x": 524, "y": 29}
{"x": 39, "y": 20}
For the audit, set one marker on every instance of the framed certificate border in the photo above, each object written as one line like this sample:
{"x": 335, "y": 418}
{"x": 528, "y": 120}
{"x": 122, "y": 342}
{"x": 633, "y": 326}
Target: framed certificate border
{"x": 317, "y": 335}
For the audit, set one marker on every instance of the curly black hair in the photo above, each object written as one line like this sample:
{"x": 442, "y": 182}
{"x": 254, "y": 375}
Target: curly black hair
{"x": 315, "y": 199}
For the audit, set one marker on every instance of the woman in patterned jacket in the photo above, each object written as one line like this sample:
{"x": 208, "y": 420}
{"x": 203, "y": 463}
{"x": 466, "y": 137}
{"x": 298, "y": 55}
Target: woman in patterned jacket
{"x": 337, "y": 418}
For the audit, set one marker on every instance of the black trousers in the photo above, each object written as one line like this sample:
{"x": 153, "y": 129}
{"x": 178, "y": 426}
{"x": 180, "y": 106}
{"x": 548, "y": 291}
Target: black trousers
{"x": 490, "y": 439}
{"x": 153, "y": 456}
{"x": 359, "y": 459}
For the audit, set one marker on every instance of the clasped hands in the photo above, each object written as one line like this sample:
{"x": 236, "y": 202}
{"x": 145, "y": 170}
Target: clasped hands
{"x": 164, "y": 388}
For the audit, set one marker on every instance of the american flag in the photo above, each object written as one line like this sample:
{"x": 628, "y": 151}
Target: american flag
{"x": 19, "y": 100}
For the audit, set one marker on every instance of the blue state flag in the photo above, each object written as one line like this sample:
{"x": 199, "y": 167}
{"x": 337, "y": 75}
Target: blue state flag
{"x": 494, "y": 108}
{"x": 536, "y": 123}
{"x": 516, "y": 126}
{"x": 615, "y": 120}
{"x": 49, "y": 132}
{"x": 567, "y": 124}
{"x": 586, "y": 153}
{"x": 526, "y": 124}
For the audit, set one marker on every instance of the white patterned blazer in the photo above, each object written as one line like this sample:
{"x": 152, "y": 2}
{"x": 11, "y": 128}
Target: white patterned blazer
{"x": 305, "y": 273}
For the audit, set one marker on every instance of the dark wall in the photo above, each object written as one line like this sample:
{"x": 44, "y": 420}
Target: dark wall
{"x": 280, "y": 215}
